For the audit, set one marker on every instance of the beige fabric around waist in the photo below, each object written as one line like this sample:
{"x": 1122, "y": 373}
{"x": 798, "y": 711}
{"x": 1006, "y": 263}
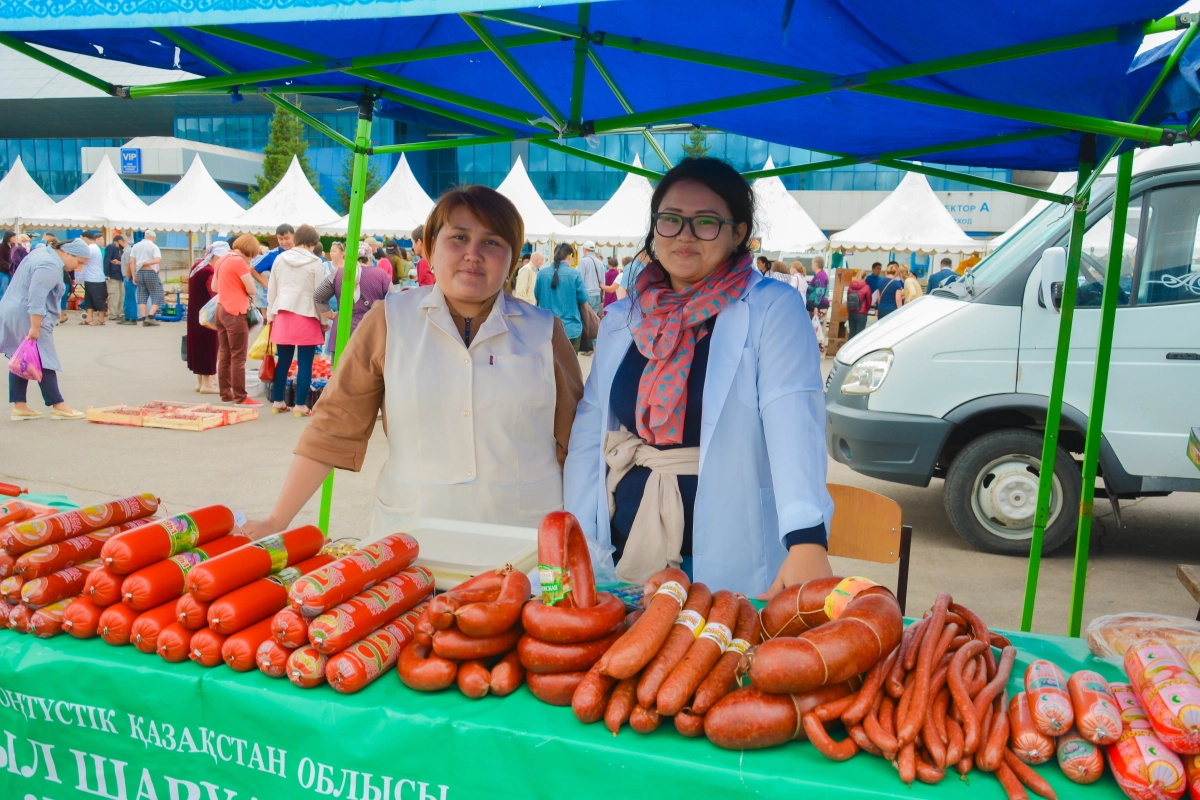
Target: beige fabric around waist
{"x": 656, "y": 538}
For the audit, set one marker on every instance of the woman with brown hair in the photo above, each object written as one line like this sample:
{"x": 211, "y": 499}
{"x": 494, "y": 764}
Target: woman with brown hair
{"x": 480, "y": 390}
{"x": 296, "y": 328}
{"x": 235, "y": 289}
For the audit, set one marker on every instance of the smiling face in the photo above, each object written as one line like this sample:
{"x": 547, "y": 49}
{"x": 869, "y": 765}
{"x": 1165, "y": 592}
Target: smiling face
{"x": 686, "y": 259}
{"x": 470, "y": 262}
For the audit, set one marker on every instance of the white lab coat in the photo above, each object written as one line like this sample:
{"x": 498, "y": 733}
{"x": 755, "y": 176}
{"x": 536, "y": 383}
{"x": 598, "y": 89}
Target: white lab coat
{"x": 471, "y": 429}
{"x": 762, "y": 438}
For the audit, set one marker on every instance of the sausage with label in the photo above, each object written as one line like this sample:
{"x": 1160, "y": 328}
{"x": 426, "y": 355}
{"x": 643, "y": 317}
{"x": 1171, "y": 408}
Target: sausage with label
{"x": 163, "y": 538}
{"x": 306, "y": 667}
{"x": 564, "y": 564}
{"x": 267, "y": 556}
{"x": 1030, "y": 744}
{"x": 364, "y": 661}
{"x": 701, "y": 656}
{"x": 1079, "y": 759}
{"x": 157, "y": 583}
{"x": 560, "y": 625}
{"x": 668, "y": 592}
{"x": 56, "y": 586}
{"x": 1049, "y": 703}
{"x": 263, "y": 598}
{"x": 682, "y": 636}
{"x": 723, "y": 677}
{"x": 31, "y": 534}
{"x": 488, "y": 618}
{"x": 344, "y": 624}
{"x": 337, "y": 582}
{"x": 1097, "y": 716}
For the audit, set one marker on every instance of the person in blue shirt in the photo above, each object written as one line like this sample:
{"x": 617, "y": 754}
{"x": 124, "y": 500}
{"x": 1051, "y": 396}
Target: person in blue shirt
{"x": 891, "y": 290}
{"x": 285, "y": 235}
{"x": 559, "y": 288}
{"x": 874, "y": 279}
{"x": 943, "y": 276}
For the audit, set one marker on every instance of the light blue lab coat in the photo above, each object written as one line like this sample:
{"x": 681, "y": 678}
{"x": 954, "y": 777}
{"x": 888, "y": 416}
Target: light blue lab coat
{"x": 762, "y": 438}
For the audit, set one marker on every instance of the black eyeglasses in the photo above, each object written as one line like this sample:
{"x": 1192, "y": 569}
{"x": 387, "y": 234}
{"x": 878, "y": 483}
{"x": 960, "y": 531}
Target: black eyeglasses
{"x": 705, "y": 228}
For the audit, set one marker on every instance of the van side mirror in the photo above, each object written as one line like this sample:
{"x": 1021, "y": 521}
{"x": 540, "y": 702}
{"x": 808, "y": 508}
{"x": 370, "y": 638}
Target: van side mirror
{"x": 1052, "y": 271}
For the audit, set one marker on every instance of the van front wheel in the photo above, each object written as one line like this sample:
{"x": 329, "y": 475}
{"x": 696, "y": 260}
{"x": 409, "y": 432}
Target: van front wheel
{"x": 991, "y": 493}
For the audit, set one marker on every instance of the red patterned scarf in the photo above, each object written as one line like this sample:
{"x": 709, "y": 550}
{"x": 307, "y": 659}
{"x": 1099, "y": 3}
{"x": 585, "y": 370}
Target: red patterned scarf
{"x": 672, "y": 322}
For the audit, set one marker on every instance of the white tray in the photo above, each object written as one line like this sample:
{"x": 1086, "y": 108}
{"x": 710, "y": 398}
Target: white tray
{"x": 455, "y": 550}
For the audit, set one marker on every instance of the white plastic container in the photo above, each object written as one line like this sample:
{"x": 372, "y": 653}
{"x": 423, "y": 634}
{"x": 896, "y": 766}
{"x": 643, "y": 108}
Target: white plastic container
{"x": 455, "y": 550}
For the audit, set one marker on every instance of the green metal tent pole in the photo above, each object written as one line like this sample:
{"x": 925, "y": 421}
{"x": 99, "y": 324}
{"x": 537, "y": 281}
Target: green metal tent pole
{"x": 518, "y": 72}
{"x": 358, "y": 186}
{"x": 797, "y": 169}
{"x": 438, "y": 144}
{"x": 608, "y": 162}
{"x": 312, "y": 121}
{"x": 975, "y": 180}
{"x": 1057, "y": 385}
{"x": 1091, "y": 450}
{"x": 608, "y": 78}
{"x": 580, "y": 68}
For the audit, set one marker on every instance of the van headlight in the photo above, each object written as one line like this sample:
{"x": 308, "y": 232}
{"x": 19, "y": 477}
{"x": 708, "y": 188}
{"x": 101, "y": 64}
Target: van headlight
{"x": 867, "y": 374}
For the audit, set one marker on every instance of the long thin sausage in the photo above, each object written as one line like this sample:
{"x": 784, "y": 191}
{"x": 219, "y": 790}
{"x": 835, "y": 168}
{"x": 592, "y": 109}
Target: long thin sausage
{"x": 911, "y": 723}
{"x": 1027, "y": 776}
{"x": 623, "y": 699}
{"x": 640, "y": 643}
{"x": 591, "y": 696}
{"x": 701, "y": 656}
{"x": 962, "y": 699}
{"x": 723, "y": 676}
{"x": 684, "y": 632}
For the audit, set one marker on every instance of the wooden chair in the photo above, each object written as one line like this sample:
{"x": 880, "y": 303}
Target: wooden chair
{"x": 1189, "y": 576}
{"x": 867, "y": 526}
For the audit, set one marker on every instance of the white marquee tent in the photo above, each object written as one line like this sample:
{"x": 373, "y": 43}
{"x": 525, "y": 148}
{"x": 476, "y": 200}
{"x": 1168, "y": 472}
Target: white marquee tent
{"x": 20, "y": 196}
{"x": 624, "y": 219}
{"x": 293, "y": 200}
{"x": 1062, "y": 183}
{"x": 194, "y": 204}
{"x": 399, "y": 206}
{"x": 540, "y": 224}
{"x": 103, "y": 201}
{"x": 910, "y": 219}
{"x": 781, "y": 224}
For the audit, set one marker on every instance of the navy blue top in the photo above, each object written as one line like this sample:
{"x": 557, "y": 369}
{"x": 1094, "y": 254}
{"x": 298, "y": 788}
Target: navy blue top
{"x": 887, "y": 293}
{"x": 623, "y": 406}
{"x": 941, "y": 278}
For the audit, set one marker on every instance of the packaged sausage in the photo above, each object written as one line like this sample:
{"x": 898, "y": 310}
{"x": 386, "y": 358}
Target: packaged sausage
{"x": 10, "y": 587}
{"x": 272, "y": 658}
{"x": 12, "y": 513}
{"x": 149, "y": 624}
{"x": 157, "y": 583}
{"x": 239, "y": 650}
{"x": 167, "y": 537}
{"x": 82, "y": 618}
{"x": 345, "y": 624}
{"x": 306, "y": 667}
{"x": 1191, "y": 768}
{"x": 3, "y": 617}
{"x": 1079, "y": 759}
{"x": 31, "y": 534}
{"x": 1133, "y": 715}
{"x": 1097, "y": 716}
{"x": 116, "y": 624}
{"x": 12, "y": 490}
{"x": 362, "y": 662}
{"x": 48, "y": 621}
{"x": 174, "y": 643}
{"x": 1145, "y": 768}
{"x": 205, "y": 647}
{"x": 60, "y": 555}
{"x": 103, "y": 587}
{"x": 7, "y": 563}
{"x": 334, "y": 584}
{"x": 57, "y": 585}
{"x": 289, "y": 629}
{"x": 261, "y": 599}
{"x": 1049, "y": 703}
{"x": 18, "y": 619}
{"x": 1111, "y": 636}
{"x": 1028, "y": 743}
{"x": 191, "y": 613}
{"x": 1169, "y": 692}
{"x": 267, "y": 556}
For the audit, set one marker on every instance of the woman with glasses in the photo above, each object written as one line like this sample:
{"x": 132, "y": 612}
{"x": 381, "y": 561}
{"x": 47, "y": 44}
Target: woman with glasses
{"x": 700, "y": 439}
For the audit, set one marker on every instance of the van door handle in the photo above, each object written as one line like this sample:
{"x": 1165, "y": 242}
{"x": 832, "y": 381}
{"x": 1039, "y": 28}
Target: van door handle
{"x": 1183, "y": 356}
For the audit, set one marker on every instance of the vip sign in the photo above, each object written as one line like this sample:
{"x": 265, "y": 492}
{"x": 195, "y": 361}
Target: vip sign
{"x": 131, "y": 161}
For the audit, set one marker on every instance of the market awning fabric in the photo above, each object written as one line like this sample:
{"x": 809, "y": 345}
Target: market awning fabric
{"x": 781, "y": 224}
{"x": 910, "y": 219}
{"x": 248, "y": 734}
{"x": 540, "y": 224}
{"x": 399, "y": 206}
{"x": 20, "y": 196}
{"x": 293, "y": 200}
{"x": 102, "y": 201}
{"x": 817, "y": 97}
{"x": 196, "y": 203}
{"x": 623, "y": 220}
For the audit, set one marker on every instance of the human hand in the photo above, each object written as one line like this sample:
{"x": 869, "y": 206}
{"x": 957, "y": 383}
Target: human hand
{"x": 803, "y": 563}
{"x": 258, "y": 528}
{"x": 35, "y": 332}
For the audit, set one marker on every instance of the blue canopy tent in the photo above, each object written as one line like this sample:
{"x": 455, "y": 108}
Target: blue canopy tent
{"x": 1056, "y": 85}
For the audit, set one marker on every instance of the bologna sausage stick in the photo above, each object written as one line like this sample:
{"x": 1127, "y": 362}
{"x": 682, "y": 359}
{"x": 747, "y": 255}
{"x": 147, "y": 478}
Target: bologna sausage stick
{"x": 31, "y": 534}
{"x": 191, "y": 613}
{"x": 157, "y": 583}
{"x": 668, "y": 590}
{"x": 591, "y": 696}
{"x": 60, "y": 555}
{"x": 267, "y": 556}
{"x": 56, "y": 586}
{"x": 724, "y": 675}
{"x": 622, "y": 701}
{"x": 344, "y": 624}
{"x": 797, "y": 608}
{"x": 545, "y": 658}
{"x": 258, "y": 600}
{"x": 555, "y": 690}
{"x": 751, "y": 719}
{"x": 18, "y": 619}
{"x": 82, "y": 618}
{"x": 1169, "y": 691}
{"x": 1097, "y": 716}
{"x": 1079, "y": 759}
{"x": 240, "y": 649}
{"x": 48, "y": 621}
{"x": 11, "y": 513}
{"x": 362, "y": 662}
{"x": 306, "y": 667}
{"x": 564, "y": 564}
{"x": 205, "y": 647}
{"x": 164, "y": 538}
{"x": 116, "y": 624}
{"x": 149, "y": 624}
{"x": 682, "y": 636}
{"x": 959, "y": 692}
{"x": 1049, "y": 703}
{"x": 492, "y": 617}
{"x": 560, "y": 625}
{"x": 8, "y": 563}
{"x": 337, "y": 582}
{"x": 423, "y": 670}
{"x": 272, "y": 658}
{"x": 289, "y": 629}
{"x": 702, "y": 655}
{"x": 103, "y": 587}
{"x": 174, "y": 643}
{"x": 10, "y": 587}
{"x": 1030, "y": 744}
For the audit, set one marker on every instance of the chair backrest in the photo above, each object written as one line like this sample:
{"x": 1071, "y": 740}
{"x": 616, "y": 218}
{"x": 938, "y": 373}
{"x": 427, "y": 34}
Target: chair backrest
{"x": 865, "y": 526}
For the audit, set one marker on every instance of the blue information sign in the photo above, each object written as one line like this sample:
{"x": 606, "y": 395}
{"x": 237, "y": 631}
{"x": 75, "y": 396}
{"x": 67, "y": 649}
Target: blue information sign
{"x": 131, "y": 161}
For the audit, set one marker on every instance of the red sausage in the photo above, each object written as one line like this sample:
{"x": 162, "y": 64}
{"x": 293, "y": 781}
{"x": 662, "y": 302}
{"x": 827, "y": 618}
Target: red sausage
{"x": 621, "y": 703}
{"x": 364, "y": 661}
{"x": 272, "y": 658}
{"x": 561, "y": 625}
{"x": 591, "y": 696}
{"x": 103, "y": 587}
{"x": 724, "y": 675}
{"x": 668, "y": 590}
{"x": 306, "y": 667}
{"x": 149, "y": 624}
{"x": 1031, "y": 745}
{"x": 56, "y": 586}
{"x": 1049, "y": 703}
{"x": 191, "y": 613}
{"x": 564, "y": 564}
{"x": 496, "y": 616}
{"x": 689, "y": 724}
{"x": 48, "y": 620}
{"x": 267, "y": 556}
{"x": 31, "y": 534}
{"x": 157, "y": 583}
{"x": 797, "y": 608}
{"x": 82, "y": 618}
{"x": 424, "y": 671}
{"x": 473, "y": 678}
{"x": 174, "y": 643}
{"x": 333, "y": 584}
{"x": 205, "y": 647}
{"x": 454, "y": 645}
{"x": 1097, "y": 717}
{"x": 289, "y": 629}
{"x": 701, "y": 656}
{"x": 60, "y": 555}
{"x": 644, "y": 720}
{"x": 555, "y": 690}
{"x": 263, "y": 598}
{"x": 240, "y": 649}
{"x": 683, "y": 635}
{"x": 1080, "y": 760}
{"x": 751, "y": 719}
{"x": 164, "y": 538}
{"x": 546, "y": 658}
{"x": 344, "y": 624}
{"x": 116, "y": 624}
{"x": 507, "y": 676}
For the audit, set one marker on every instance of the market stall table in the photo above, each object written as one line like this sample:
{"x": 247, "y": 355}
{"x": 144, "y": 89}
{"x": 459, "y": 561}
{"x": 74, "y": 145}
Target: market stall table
{"x": 113, "y": 714}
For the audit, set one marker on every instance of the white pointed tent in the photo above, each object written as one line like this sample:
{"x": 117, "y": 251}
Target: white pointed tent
{"x": 910, "y": 219}
{"x": 1062, "y": 183}
{"x": 399, "y": 206}
{"x": 20, "y": 196}
{"x": 781, "y": 224}
{"x": 194, "y": 204}
{"x": 540, "y": 224}
{"x": 624, "y": 219}
{"x": 103, "y": 201}
{"x": 293, "y": 200}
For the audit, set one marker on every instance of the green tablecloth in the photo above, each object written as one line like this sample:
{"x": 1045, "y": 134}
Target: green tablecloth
{"x": 182, "y": 732}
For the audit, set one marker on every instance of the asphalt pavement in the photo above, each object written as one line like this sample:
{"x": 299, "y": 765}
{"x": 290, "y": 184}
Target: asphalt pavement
{"x": 243, "y": 466}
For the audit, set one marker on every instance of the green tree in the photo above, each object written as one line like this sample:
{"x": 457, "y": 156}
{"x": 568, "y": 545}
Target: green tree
{"x": 285, "y": 139}
{"x": 697, "y": 145}
{"x": 346, "y": 182}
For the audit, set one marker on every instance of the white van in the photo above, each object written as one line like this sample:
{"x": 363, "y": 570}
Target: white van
{"x": 956, "y": 384}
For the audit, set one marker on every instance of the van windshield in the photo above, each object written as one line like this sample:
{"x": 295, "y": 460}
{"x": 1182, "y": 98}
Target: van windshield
{"x": 1038, "y": 234}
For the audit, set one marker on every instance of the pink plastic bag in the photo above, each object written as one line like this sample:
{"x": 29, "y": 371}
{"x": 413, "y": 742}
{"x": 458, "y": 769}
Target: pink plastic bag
{"x": 27, "y": 362}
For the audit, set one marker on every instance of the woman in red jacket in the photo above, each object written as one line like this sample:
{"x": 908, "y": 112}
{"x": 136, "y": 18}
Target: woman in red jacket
{"x": 858, "y": 303}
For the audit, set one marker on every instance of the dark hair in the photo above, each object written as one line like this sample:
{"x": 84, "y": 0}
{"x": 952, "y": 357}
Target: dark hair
{"x": 764, "y": 260}
{"x": 319, "y": 249}
{"x": 418, "y": 234}
{"x": 612, "y": 262}
{"x": 897, "y": 263}
{"x": 877, "y": 264}
{"x": 945, "y": 262}
{"x": 7, "y": 236}
{"x": 488, "y": 206}
{"x": 722, "y": 179}
{"x": 307, "y": 235}
{"x": 560, "y": 255}
{"x": 120, "y": 236}
{"x": 284, "y": 228}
